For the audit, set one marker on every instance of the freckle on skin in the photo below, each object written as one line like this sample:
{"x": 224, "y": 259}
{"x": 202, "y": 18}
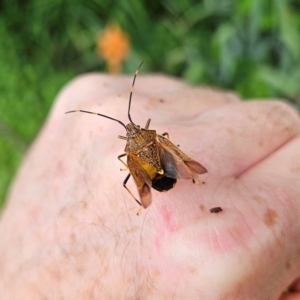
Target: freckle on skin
{"x": 230, "y": 130}
{"x": 287, "y": 265}
{"x": 161, "y": 100}
{"x": 270, "y": 217}
{"x": 192, "y": 270}
{"x": 132, "y": 229}
{"x": 261, "y": 143}
{"x": 257, "y": 198}
{"x": 156, "y": 273}
{"x": 84, "y": 205}
{"x": 295, "y": 169}
{"x": 202, "y": 207}
{"x": 288, "y": 129}
{"x": 72, "y": 237}
{"x": 252, "y": 118}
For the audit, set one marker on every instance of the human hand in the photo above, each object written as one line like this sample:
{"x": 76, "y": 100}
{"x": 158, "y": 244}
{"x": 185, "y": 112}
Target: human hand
{"x": 70, "y": 229}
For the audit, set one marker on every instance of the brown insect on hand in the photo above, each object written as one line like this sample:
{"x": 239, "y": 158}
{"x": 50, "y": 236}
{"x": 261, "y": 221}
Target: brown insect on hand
{"x": 152, "y": 159}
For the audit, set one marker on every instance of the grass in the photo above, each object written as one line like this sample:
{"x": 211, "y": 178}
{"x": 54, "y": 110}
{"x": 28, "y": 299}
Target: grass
{"x": 250, "y": 46}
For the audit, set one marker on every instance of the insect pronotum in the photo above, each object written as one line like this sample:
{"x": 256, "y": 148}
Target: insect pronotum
{"x": 152, "y": 159}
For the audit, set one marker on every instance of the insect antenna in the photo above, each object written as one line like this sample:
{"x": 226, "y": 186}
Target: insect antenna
{"x": 94, "y": 113}
{"x": 131, "y": 91}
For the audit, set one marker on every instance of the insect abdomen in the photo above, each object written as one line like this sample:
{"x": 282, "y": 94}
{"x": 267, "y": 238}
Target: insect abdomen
{"x": 163, "y": 183}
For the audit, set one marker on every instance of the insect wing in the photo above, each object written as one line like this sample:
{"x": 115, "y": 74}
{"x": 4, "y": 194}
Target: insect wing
{"x": 175, "y": 163}
{"x": 141, "y": 178}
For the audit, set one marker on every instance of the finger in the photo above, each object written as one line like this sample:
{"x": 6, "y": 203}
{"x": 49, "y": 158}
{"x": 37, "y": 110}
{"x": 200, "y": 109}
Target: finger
{"x": 170, "y": 100}
{"x": 290, "y": 296}
{"x": 282, "y": 171}
{"x": 157, "y": 97}
{"x": 235, "y": 137}
{"x": 275, "y": 194}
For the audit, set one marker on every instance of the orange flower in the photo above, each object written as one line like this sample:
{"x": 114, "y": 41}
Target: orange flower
{"x": 112, "y": 46}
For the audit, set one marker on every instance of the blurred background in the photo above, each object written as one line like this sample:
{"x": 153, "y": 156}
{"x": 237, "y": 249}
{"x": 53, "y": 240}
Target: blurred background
{"x": 249, "y": 46}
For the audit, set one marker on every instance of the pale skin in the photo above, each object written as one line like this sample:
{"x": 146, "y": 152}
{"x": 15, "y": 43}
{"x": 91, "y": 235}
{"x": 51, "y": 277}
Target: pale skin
{"x": 70, "y": 230}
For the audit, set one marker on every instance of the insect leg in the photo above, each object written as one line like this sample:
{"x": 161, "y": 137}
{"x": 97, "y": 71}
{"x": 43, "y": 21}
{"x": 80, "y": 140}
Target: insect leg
{"x": 119, "y": 158}
{"x": 147, "y": 124}
{"x": 122, "y": 137}
{"x": 198, "y": 182}
{"x": 165, "y": 134}
{"x": 128, "y": 190}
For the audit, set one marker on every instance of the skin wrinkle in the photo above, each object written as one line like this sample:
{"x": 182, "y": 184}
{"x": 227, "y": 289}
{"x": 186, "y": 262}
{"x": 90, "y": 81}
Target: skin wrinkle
{"x": 78, "y": 249}
{"x": 145, "y": 268}
{"x": 241, "y": 185}
{"x": 128, "y": 289}
{"x": 272, "y": 132}
{"x": 113, "y": 253}
{"x": 252, "y": 212}
{"x": 174, "y": 294}
{"x": 151, "y": 280}
{"x": 240, "y": 174}
{"x": 100, "y": 221}
{"x": 282, "y": 109}
{"x": 233, "y": 234}
{"x": 123, "y": 267}
{"x": 216, "y": 189}
{"x": 89, "y": 191}
{"x": 266, "y": 117}
{"x": 211, "y": 245}
{"x": 131, "y": 290}
{"x": 219, "y": 242}
{"x": 284, "y": 199}
{"x": 258, "y": 129}
{"x": 94, "y": 263}
{"x": 249, "y": 228}
{"x": 148, "y": 277}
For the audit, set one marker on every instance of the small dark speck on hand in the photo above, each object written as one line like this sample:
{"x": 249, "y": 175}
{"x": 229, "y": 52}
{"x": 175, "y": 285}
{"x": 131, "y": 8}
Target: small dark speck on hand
{"x": 270, "y": 217}
{"x": 215, "y": 210}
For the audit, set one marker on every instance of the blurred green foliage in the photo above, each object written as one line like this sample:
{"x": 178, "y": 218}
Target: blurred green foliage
{"x": 250, "y": 46}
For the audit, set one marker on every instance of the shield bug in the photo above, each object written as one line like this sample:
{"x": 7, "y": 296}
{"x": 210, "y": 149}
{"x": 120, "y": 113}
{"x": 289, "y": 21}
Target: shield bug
{"x": 152, "y": 159}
